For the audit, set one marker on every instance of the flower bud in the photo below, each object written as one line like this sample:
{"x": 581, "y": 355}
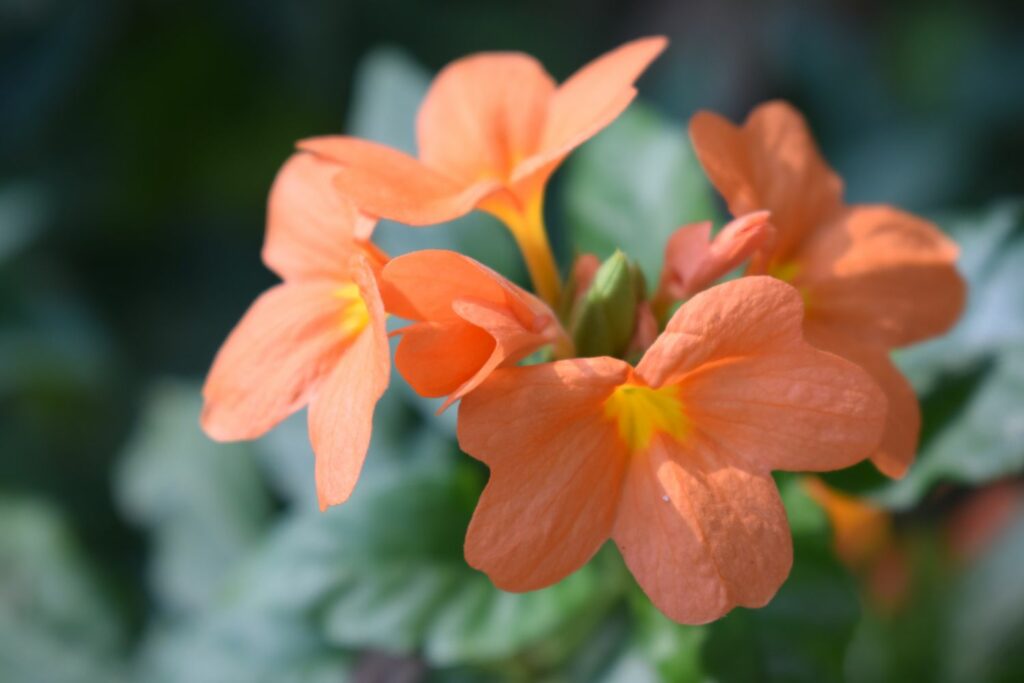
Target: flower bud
{"x": 604, "y": 318}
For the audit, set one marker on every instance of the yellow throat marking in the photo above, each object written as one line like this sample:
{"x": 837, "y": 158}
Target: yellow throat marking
{"x": 354, "y": 314}
{"x": 641, "y": 412}
{"x": 790, "y": 272}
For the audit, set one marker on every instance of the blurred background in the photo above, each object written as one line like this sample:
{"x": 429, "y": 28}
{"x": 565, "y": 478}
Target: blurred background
{"x": 138, "y": 140}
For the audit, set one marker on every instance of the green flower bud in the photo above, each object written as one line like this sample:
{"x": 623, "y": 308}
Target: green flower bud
{"x": 603, "y": 320}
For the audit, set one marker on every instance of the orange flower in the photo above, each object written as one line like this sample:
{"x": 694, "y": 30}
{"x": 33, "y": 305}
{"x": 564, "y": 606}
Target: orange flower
{"x": 671, "y": 459}
{"x": 873, "y": 277}
{"x": 468, "y": 321}
{"x": 317, "y": 339}
{"x": 492, "y": 129}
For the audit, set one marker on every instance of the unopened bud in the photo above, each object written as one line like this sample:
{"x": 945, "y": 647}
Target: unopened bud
{"x": 604, "y": 317}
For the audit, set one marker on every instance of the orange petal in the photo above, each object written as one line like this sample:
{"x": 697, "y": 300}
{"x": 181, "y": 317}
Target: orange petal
{"x": 388, "y": 183}
{"x": 898, "y": 447}
{"x": 592, "y": 98}
{"x": 483, "y": 114}
{"x": 882, "y": 274}
{"x": 556, "y": 469}
{"x": 773, "y": 163}
{"x": 469, "y": 320}
{"x": 288, "y": 340}
{"x": 757, "y": 390}
{"x": 311, "y": 227}
{"x": 693, "y": 260}
{"x": 437, "y": 358}
{"x": 701, "y": 533}
{"x": 341, "y": 412}
{"x": 737, "y": 318}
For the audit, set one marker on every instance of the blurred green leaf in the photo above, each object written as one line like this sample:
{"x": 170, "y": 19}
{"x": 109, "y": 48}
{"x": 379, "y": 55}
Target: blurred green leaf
{"x": 632, "y": 186}
{"x": 986, "y": 628}
{"x": 385, "y": 571}
{"x": 899, "y": 638}
{"x": 674, "y": 649}
{"x": 55, "y": 621}
{"x": 802, "y": 634}
{"x": 24, "y": 212}
{"x": 985, "y": 441}
{"x": 203, "y": 503}
{"x": 237, "y": 645}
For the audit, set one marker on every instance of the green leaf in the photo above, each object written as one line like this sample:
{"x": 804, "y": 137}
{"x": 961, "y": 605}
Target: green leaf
{"x": 986, "y": 628}
{"x": 25, "y": 210}
{"x": 674, "y": 649}
{"x": 802, "y": 634}
{"x": 985, "y": 441}
{"x": 204, "y": 503}
{"x": 237, "y": 645}
{"x": 632, "y": 186}
{"x": 385, "y": 571}
{"x": 55, "y": 621}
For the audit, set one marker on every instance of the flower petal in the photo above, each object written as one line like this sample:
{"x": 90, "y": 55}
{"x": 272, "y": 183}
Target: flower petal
{"x": 470, "y": 320}
{"x": 898, "y": 447}
{"x": 341, "y": 412}
{"x": 594, "y": 96}
{"x": 701, "y": 533}
{"x": 483, "y": 114}
{"x": 388, "y": 183}
{"x": 736, "y": 318}
{"x": 312, "y": 229}
{"x": 422, "y": 285}
{"x": 802, "y": 409}
{"x": 437, "y": 358}
{"x": 883, "y": 274}
{"x": 556, "y": 469}
{"x": 773, "y": 163}
{"x": 288, "y": 340}
{"x": 752, "y": 385}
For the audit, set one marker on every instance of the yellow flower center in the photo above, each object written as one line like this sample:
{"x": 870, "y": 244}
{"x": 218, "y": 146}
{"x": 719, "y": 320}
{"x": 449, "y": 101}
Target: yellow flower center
{"x": 641, "y": 412}
{"x": 789, "y": 272}
{"x": 354, "y": 314}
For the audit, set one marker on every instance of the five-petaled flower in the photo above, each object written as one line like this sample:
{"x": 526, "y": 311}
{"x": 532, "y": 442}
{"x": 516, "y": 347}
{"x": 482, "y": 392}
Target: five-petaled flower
{"x": 318, "y": 338}
{"x": 873, "y": 277}
{"x": 491, "y": 131}
{"x": 671, "y": 459}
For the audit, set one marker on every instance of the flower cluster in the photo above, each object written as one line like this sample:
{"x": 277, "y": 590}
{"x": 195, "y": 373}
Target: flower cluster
{"x": 652, "y": 418}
